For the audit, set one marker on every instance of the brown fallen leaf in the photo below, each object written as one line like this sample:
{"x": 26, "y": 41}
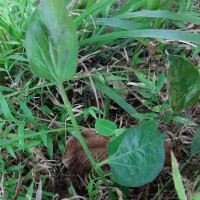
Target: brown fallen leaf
{"x": 168, "y": 150}
{"x": 75, "y": 158}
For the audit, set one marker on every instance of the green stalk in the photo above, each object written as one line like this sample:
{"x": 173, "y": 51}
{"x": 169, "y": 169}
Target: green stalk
{"x": 80, "y": 138}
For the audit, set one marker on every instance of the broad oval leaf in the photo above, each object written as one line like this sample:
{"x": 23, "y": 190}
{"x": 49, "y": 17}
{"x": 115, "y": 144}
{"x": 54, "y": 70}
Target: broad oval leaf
{"x": 137, "y": 156}
{"x": 183, "y": 84}
{"x": 51, "y": 42}
{"x": 105, "y": 127}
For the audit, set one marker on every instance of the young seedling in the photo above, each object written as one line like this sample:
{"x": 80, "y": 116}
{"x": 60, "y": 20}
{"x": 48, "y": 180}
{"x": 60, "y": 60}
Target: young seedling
{"x": 52, "y": 50}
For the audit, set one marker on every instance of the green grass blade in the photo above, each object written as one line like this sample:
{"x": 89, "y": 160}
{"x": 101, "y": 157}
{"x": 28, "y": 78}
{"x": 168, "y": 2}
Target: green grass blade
{"x": 162, "y": 14}
{"x": 4, "y": 107}
{"x": 132, "y": 5}
{"x": 146, "y": 33}
{"x": 119, "y": 23}
{"x": 114, "y": 96}
{"x": 94, "y": 8}
{"x": 177, "y": 179}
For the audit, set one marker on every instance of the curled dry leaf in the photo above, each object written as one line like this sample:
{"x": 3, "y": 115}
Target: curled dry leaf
{"x": 75, "y": 158}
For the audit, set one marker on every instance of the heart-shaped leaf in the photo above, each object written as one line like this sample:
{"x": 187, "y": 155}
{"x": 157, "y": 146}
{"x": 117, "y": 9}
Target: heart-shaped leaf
{"x": 51, "y": 42}
{"x": 183, "y": 83}
{"x": 137, "y": 156}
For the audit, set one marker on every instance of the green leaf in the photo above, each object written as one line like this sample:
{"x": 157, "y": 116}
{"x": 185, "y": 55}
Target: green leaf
{"x": 21, "y": 134}
{"x": 123, "y": 24}
{"x": 50, "y": 145}
{"x": 96, "y": 7}
{"x": 177, "y": 179}
{"x": 137, "y": 156}
{"x": 114, "y": 96}
{"x": 146, "y": 115}
{"x": 147, "y": 84}
{"x": 160, "y": 82}
{"x": 17, "y": 57}
{"x": 144, "y": 33}
{"x": 105, "y": 127}
{"x": 4, "y": 107}
{"x": 163, "y": 14}
{"x": 10, "y": 151}
{"x": 183, "y": 84}
{"x": 183, "y": 120}
{"x": 27, "y": 112}
{"x": 195, "y": 146}
{"x": 195, "y": 196}
{"x": 29, "y": 193}
{"x": 51, "y": 42}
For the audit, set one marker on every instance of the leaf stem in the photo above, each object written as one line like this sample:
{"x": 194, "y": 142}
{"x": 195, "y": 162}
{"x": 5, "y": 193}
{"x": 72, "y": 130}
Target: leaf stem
{"x": 80, "y": 138}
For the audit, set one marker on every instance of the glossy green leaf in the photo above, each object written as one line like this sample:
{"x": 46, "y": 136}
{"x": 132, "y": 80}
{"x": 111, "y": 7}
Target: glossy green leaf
{"x": 183, "y": 84}
{"x": 51, "y": 42}
{"x": 105, "y": 127}
{"x": 177, "y": 179}
{"x": 137, "y": 156}
{"x": 195, "y": 146}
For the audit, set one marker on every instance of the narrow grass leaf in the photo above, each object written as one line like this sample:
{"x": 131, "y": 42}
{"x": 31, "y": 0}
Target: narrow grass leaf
{"x": 161, "y": 81}
{"x": 27, "y": 112}
{"x": 118, "y": 23}
{"x": 195, "y": 146}
{"x": 183, "y": 120}
{"x": 61, "y": 147}
{"x": 131, "y": 5}
{"x": 5, "y": 109}
{"x": 105, "y": 127}
{"x": 177, "y": 178}
{"x": 10, "y": 151}
{"x": 6, "y": 89}
{"x": 29, "y": 193}
{"x": 162, "y": 14}
{"x": 97, "y": 6}
{"x": 21, "y": 135}
{"x": 17, "y": 57}
{"x": 114, "y": 96}
{"x": 147, "y": 84}
{"x": 50, "y": 145}
{"x": 146, "y": 33}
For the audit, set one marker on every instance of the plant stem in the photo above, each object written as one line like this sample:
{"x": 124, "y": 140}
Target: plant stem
{"x": 80, "y": 138}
